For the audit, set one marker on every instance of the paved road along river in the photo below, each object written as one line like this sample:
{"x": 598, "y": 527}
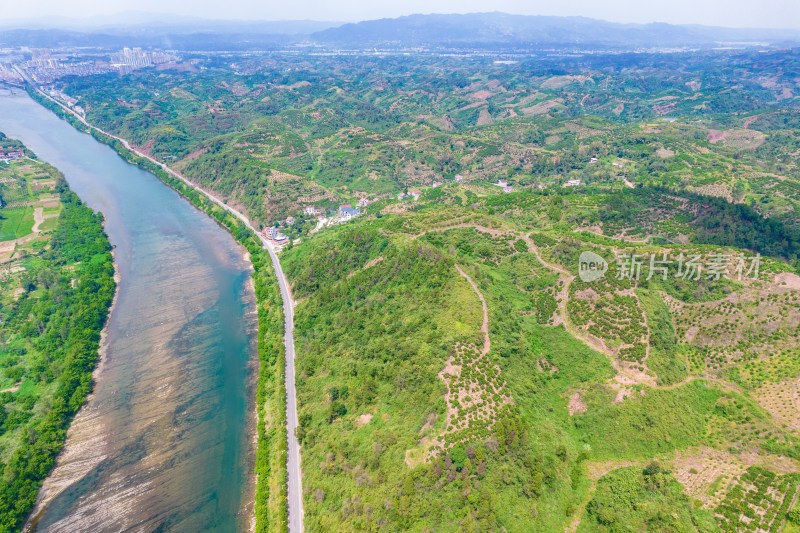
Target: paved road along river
{"x": 164, "y": 442}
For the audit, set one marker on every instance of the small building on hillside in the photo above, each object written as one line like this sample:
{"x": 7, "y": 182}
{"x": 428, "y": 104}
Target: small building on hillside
{"x": 346, "y": 213}
{"x": 290, "y": 221}
{"x": 436, "y": 184}
{"x": 502, "y": 182}
{"x": 310, "y": 210}
{"x": 459, "y": 178}
{"x": 274, "y": 234}
{"x": 11, "y": 155}
{"x": 572, "y": 183}
{"x": 364, "y": 202}
{"x": 508, "y": 189}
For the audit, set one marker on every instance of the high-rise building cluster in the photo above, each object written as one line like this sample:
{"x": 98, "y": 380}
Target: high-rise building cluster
{"x": 138, "y": 58}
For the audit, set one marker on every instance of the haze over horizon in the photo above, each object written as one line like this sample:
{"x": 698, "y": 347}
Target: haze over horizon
{"x": 783, "y": 14}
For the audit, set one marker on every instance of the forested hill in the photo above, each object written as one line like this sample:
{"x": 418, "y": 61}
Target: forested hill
{"x": 56, "y": 288}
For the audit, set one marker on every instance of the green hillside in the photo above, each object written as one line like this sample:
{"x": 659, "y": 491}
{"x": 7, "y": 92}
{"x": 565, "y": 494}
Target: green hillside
{"x": 405, "y": 425}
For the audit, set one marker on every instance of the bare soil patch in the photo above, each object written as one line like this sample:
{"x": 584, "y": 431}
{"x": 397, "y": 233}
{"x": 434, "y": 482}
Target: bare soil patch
{"x": 541, "y": 107}
{"x": 782, "y": 401}
{"x": 481, "y": 95}
{"x": 789, "y": 280}
{"x": 484, "y": 118}
{"x": 576, "y": 404}
{"x": 557, "y": 82}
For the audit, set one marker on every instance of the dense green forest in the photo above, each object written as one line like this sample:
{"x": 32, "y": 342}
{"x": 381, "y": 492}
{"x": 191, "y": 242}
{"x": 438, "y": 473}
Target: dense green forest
{"x": 57, "y": 289}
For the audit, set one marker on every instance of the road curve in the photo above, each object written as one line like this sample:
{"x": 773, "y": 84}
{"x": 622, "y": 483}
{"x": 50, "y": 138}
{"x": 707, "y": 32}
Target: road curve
{"x": 294, "y": 482}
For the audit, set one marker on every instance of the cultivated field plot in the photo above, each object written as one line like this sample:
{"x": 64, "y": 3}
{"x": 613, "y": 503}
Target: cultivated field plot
{"x": 609, "y": 310}
{"x": 757, "y": 320}
{"x": 476, "y": 396}
{"x": 488, "y": 248}
{"x": 757, "y": 502}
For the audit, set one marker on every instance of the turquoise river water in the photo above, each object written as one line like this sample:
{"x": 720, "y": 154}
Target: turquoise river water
{"x": 165, "y": 441}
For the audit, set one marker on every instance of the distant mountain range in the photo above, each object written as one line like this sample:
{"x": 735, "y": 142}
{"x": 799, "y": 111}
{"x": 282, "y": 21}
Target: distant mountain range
{"x": 136, "y": 22}
{"x": 476, "y": 30}
{"x": 501, "y": 29}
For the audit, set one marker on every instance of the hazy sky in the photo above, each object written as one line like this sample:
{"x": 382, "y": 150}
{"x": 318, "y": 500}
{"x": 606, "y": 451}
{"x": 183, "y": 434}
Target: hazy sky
{"x": 737, "y": 13}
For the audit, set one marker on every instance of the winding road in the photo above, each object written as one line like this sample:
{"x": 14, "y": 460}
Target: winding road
{"x": 294, "y": 481}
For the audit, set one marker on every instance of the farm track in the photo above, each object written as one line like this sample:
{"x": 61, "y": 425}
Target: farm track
{"x": 487, "y": 344}
{"x": 567, "y": 278}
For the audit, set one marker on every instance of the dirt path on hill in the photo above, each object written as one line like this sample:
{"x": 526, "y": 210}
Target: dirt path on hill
{"x": 625, "y": 376}
{"x": 487, "y": 344}
{"x": 491, "y": 231}
{"x": 38, "y": 218}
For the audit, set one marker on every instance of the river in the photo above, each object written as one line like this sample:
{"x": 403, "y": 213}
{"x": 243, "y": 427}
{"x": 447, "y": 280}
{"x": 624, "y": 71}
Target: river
{"x": 166, "y": 440}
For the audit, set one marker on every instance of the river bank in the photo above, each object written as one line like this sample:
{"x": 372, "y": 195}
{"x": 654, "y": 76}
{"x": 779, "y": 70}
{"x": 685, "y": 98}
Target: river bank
{"x": 172, "y": 408}
{"x": 274, "y": 461}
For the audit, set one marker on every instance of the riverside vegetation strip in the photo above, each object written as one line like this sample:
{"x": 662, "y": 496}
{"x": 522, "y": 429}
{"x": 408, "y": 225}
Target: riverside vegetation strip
{"x": 56, "y": 287}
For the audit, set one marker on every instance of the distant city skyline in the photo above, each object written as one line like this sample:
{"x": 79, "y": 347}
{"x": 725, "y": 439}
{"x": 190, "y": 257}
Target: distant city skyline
{"x": 731, "y": 13}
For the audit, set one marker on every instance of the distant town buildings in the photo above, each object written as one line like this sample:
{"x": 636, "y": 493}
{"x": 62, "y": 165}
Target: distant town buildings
{"x": 9, "y": 75}
{"x": 45, "y": 66}
{"x": 572, "y": 183}
{"x": 138, "y": 58}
